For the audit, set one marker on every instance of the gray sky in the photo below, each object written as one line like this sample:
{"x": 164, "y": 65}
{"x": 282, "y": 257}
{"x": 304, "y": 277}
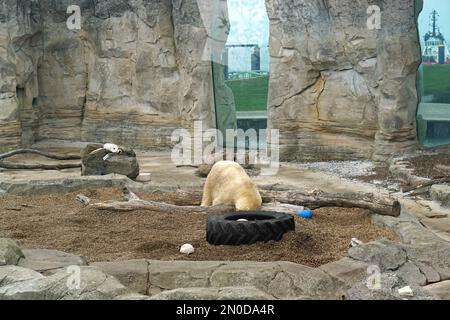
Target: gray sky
{"x": 249, "y": 25}
{"x": 249, "y": 22}
{"x": 443, "y": 7}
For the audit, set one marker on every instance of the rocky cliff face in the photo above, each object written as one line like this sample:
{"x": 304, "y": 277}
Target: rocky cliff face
{"x": 338, "y": 89}
{"x": 136, "y": 71}
{"x": 130, "y": 75}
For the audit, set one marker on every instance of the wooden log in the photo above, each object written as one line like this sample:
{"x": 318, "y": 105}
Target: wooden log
{"x": 376, "y": 203}
{"x": 17, "y": 166}
{"x": 133, "y": 202}
{"x": 83, "y": 199}
{"x": 41, "y": 153}
{"x": 427, "y": 184}
{"x": 158, "y": 206}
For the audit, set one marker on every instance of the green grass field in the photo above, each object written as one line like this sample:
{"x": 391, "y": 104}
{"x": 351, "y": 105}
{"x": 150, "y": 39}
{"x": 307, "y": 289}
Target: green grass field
{"x": 436, "y": 79}
{"x": 250, "y": 94}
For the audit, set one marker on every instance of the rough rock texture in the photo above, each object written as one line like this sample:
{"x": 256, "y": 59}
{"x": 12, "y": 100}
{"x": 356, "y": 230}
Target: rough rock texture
{"x": 14, "y": 274}
{"x": 282, "y": 280}
{"x": 441, "y": 194}
{"x": 139, "y": 69}
{"x": 20, "y": 27}
{"x": 94, "y": 164}
{"x": 94, "y": 285}
{"x": 440, "y": 290}
{"x": 10, "y": 253}
{"x": 385, "y": 254}
{"x": 133, "y": 274}
{"x": 339, "y": 90}
{"x": 233, "y": 293}
{"x": 347, "y": 270}
{"x": 130, "y": 75}
{"x": 49, "y": 261}
{"x": 390, "y": 284}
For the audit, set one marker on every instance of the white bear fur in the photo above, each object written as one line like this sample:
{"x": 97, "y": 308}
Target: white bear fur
{"x": 229, "y": 184}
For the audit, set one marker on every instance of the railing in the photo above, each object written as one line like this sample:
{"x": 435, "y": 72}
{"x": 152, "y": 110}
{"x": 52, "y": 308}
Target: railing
{"x": 246, "y": 75}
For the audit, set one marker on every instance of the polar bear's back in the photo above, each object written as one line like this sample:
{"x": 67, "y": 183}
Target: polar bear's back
{"x": 229, "y": 184}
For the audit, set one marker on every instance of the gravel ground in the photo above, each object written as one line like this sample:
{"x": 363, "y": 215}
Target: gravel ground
{"x": 344, "y": 169}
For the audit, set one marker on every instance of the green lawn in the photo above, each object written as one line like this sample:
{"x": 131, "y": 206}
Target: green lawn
{"x": 250, "y": 94}
{"x": 436, "y": 80}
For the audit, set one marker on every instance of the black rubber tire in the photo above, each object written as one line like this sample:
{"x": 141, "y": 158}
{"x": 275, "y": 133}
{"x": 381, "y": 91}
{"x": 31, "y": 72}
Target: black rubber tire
{"x": 262, "y": 226}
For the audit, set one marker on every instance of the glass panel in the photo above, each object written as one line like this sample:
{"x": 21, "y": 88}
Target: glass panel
{"x": 241, "y": 78}
{"x": 434, "y": 74}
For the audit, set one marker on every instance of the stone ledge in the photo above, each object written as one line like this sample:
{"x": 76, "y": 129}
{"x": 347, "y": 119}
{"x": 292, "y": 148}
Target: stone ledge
{"x": 440, "y": 290}
{"x": 226, "y": 293}
{"x": 62, "y": 185}
{"x": 134, "y": 274}
{"x": 94, "y": 285}
{"x": 48, "y": 262}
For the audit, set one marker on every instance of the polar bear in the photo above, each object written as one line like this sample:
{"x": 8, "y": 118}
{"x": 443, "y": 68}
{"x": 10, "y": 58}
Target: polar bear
{"x": 229, "y": 184}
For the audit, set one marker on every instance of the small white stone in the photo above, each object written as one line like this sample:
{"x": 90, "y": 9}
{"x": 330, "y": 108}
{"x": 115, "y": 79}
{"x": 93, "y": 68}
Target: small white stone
{"x": 187, "y": 248}
{"x": 144, "y": 177}
{"x": 242, "y": 220}
{"x": 406, "y": 292}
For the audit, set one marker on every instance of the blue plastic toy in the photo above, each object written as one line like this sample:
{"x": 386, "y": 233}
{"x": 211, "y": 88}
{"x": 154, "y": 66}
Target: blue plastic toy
{"x": 306, "y": 214}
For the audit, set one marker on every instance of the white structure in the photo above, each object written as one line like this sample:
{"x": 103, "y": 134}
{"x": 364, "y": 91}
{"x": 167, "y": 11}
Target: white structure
{"x": 436, "y": 49}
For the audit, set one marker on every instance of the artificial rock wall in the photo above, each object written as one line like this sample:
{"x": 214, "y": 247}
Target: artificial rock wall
{"x": 136, "y": 71}
{"x": 132, "y": 74}
{"x": 338, "y": 89}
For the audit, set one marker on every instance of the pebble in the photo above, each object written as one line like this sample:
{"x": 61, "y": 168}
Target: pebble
{"x": 406, "y": 292}
{"x": 144, "y": 177}
{"x": 344, "y": 169}
{"x": 187, "y": 248}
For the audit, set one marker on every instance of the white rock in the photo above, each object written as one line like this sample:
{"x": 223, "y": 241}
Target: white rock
{"x": 187, "y": 249}
{"x": 242, "y": 220}
{"x": 406, "y": 292}
{"x": 144, "y": 177}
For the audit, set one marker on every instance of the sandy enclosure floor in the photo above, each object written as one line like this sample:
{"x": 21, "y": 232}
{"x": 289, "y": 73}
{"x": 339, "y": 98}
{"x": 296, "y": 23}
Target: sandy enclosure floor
{"x": 60, "y": 222}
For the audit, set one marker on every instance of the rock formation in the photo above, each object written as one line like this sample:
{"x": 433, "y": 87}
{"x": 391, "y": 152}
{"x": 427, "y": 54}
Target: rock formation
{"x": 136, "y": 71}
{"x": 339, "y": 89}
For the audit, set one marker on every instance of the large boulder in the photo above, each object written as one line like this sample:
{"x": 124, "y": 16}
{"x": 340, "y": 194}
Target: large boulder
{"x": 385, "y": 254}
{"x": 440, "y": 289}
{"x": 93, "y": 163}
{"x": 10, "y": 253}
{"x": 133, "y": 274}
{"x": 13, "y": 274}
{"x": 93, "y": 285}
{"x": 48, "y": 262}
